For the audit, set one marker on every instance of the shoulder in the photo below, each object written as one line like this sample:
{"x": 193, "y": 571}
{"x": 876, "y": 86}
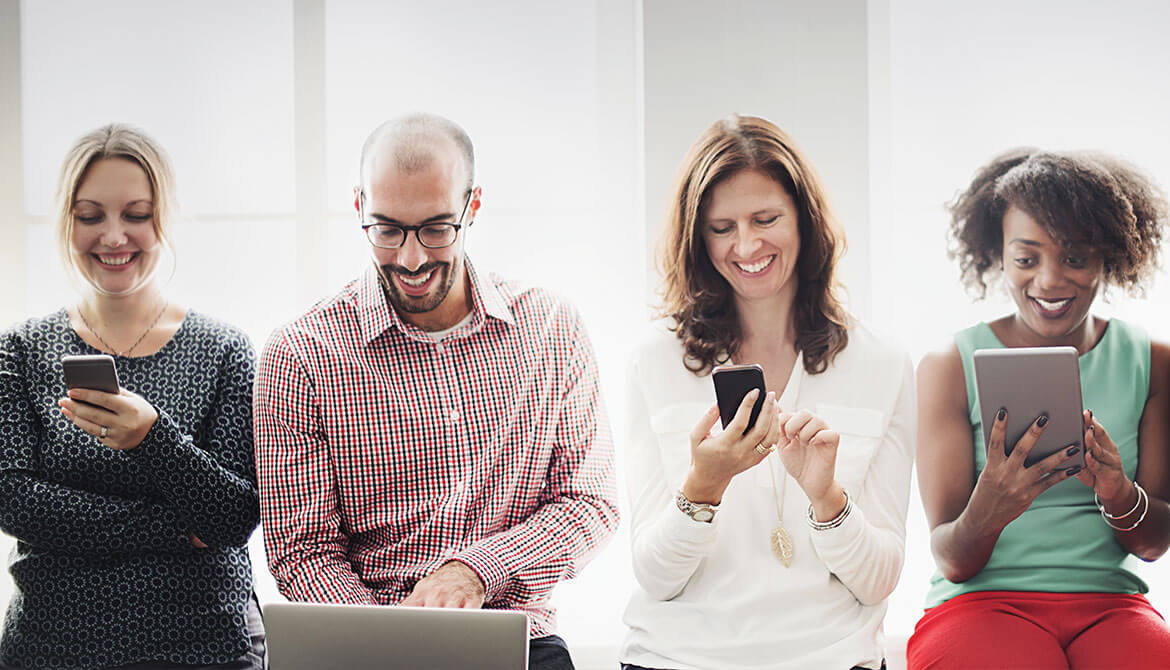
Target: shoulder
{"x": 1159, "y": 366}
{"x": 657, "y": 346}
{"x": 943, "y": 360}
{"x": 39, "y": 332}
{"x": 869, "y": 353}
{"x": 208, "y": 329}
{"x": 529, "y": 302}
{"x": 321, "y": 321}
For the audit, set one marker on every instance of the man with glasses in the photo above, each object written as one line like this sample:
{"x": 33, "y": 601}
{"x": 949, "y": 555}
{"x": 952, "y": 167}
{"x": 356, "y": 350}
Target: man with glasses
{"x": 432, "y": 436}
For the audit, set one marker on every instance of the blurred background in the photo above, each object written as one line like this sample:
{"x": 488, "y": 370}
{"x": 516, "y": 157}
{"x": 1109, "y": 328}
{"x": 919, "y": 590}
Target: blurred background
{"x": 581, "y": 112}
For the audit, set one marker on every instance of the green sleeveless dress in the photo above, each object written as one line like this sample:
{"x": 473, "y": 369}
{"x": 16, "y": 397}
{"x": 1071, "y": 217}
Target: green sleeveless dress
{"x": 1061, "y": 544}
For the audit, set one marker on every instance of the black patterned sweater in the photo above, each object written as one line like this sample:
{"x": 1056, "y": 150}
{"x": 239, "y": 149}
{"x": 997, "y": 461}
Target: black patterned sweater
{"x": 104, "y": 568}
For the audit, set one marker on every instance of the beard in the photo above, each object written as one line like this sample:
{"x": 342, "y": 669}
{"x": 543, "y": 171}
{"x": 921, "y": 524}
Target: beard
{"x": 440, "y": 286}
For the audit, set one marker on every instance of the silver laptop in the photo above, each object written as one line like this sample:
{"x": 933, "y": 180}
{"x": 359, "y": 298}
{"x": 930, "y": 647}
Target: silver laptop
{"x": 303, "y": 636}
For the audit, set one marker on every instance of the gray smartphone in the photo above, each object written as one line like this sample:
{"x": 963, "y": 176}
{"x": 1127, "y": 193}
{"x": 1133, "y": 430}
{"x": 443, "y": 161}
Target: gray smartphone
{"x": 91, "y": 372}
{"x": 732, "y": 383}
{"x": 1028, "y": 382}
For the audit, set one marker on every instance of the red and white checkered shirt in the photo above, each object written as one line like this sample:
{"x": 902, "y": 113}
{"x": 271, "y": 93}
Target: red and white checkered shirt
{"x": 382, "y": 454}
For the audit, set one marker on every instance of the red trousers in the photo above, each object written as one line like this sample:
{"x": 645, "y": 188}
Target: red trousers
{"x": 1024, "y": 629}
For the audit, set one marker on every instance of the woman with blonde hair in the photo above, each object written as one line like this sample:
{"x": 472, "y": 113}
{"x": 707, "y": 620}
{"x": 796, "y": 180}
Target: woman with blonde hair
{"x": 776, "y": 547}
{"x": 131, "y": 509}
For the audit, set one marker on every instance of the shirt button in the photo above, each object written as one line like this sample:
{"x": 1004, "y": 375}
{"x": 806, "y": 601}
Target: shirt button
{"x": 454, "y": 415}
{"x": 439, "y": 348}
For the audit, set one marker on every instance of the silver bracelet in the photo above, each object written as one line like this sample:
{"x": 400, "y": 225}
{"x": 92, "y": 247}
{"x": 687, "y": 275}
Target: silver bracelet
{"x": 1119, "y": 516}
{"x": 835, "y": 521}
{"x": 1143, "y": 501}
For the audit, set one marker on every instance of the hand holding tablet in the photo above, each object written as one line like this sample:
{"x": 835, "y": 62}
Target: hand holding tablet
{"x": 1030, "y": 383}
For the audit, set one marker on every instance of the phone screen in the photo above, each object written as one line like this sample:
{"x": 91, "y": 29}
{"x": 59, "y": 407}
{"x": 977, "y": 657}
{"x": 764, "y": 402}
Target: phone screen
{"x": 91, "y": 372}
{"x": 732, "y": 383}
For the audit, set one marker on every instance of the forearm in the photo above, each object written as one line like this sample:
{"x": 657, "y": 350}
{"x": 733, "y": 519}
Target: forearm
{"x": 1147, "y": 519}
{"x": 963, "y": 547}
{"x": 316, "y": 574}
{"x": 866, "y": 559}
{"x": 550, "y": 546}
{"x": 668, "y": 549}
{"x": 81, "y": 523}
{"x": 219, "y": 506}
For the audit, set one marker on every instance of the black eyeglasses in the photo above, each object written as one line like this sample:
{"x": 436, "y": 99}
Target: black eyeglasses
{"x": 430, "y": 235}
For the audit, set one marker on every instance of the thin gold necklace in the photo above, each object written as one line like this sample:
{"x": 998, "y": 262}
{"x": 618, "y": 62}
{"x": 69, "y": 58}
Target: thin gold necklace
{"x": 137, "y": 342}
{"x": 781, "y": 541}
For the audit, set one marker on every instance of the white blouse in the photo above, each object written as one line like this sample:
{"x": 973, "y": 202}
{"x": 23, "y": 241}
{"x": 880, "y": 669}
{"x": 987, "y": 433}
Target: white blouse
{"x": 713, "y": 595}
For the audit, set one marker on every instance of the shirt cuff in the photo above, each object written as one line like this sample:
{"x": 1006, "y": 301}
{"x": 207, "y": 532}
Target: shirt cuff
{"x": 160, "y": 441}
{"x": 680, "y": 529}
{"x": 835, "y": 544}
{"x": 487, "y": 566}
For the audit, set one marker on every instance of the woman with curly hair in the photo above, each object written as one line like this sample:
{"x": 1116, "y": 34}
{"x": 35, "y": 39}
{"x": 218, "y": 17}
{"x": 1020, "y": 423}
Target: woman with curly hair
{"x": 1036, "y": 570}
{"x": 774, "y": 548}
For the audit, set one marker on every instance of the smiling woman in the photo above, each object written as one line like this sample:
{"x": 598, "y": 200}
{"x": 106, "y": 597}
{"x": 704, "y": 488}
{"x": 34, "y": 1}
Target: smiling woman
{"x": 131, "y": 509}
{"x": 749, "y": 255}
{"x": 1021, "y": 547}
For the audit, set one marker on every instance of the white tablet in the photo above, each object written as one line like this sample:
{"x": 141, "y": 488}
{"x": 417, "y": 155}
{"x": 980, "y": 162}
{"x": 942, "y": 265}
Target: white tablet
{"x": 1028, "y": 382}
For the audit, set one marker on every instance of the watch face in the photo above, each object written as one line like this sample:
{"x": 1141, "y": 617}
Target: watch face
{"x": 703, "y": 515}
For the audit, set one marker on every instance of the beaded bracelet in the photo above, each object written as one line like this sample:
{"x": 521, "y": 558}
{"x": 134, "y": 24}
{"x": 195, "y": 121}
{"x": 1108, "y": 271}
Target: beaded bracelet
{"x": 1143, "y": 501}
{"x": 835, "y": 521}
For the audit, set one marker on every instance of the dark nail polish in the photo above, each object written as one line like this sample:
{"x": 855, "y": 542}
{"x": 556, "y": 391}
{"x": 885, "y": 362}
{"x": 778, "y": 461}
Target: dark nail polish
{"x": 1072, "y": 451}
{"x": 1000, "y": 414}
{"x": 1073, "y": 470}
{"x": 1090, "y": 414}
{"x": 1042, "y": 421}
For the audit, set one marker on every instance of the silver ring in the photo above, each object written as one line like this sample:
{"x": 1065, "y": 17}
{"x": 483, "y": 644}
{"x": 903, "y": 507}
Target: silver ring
{"x": 105, "y": 431}
{"x": 762, "y": 450}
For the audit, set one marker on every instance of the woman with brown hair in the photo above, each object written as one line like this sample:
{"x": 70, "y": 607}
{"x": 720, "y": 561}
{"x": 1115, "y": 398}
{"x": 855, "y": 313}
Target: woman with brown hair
{"x": 1027, "y": 557}
{"x": 774, "y": 548}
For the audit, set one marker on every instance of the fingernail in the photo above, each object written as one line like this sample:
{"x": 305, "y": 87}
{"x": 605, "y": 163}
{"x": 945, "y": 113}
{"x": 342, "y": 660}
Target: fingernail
{"x": 1090, "y": 414}
{"x": 1072, "y": 451}
{"x": 1000, "y": 414}
{"x": 1042, "y": 421}
{"x": 1073, "y": 470}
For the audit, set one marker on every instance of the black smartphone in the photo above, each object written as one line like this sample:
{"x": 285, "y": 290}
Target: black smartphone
{"x": 91, "y": 372}
{"x": 732, "y": 383}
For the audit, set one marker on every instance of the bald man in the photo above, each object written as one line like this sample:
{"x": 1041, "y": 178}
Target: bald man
{"x": 432, "y": 436}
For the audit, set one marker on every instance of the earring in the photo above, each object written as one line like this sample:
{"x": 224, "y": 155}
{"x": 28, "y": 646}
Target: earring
{"x": 357, "y": 199}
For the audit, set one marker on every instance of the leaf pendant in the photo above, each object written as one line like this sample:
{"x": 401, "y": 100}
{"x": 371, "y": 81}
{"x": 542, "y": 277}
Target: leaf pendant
{"x": 782, "y": 545}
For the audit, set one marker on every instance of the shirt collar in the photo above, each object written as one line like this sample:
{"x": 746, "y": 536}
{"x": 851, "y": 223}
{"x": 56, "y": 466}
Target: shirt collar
{"x": 375, "y": 316}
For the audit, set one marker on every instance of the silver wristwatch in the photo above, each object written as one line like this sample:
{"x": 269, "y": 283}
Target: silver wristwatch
{"x": 701, "y": 512}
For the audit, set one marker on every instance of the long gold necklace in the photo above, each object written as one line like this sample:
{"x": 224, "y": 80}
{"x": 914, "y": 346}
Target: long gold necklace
{"x": 781, "y": 541}
{"x": 136, "y": 342}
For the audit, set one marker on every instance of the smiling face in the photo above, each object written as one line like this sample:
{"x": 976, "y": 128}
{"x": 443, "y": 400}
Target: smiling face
{"x": 426, "y": 286}
{"x": 750, "y": 226}
{"x": 1053, "y": 286}
{"x": 114, "y": 238}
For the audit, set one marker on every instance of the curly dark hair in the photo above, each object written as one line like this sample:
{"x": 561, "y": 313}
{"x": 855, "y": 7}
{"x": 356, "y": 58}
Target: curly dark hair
{"x": 698, "y": 298}
{"x": 1079, "y": 198}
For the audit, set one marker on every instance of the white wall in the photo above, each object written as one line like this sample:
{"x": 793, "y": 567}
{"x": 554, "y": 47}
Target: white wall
{"x": 581, "y": 113}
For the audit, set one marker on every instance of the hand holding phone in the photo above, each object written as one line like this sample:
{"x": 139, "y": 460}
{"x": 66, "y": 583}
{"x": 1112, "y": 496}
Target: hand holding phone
{"x": 732, "y": 384}
{"x": 750, "y": 429}
{"x": 98, "y": 405}
{"x": 91, "y": 372}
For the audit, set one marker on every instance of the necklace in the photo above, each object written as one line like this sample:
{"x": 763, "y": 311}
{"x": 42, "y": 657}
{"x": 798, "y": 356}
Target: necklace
{"x": 137, "y": 342}
{"x": 781, "y": 541}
